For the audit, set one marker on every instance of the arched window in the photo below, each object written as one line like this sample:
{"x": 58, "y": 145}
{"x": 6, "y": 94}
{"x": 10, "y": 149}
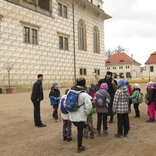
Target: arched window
{"x": 96, "y": 40}
{"x": 82, "y": 36}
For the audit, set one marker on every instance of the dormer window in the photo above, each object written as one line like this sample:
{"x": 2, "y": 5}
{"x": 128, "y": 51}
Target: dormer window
{"x": 121, "y": 61}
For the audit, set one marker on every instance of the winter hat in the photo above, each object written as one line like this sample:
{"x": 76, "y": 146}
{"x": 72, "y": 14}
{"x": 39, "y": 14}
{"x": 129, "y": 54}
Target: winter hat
{"x": 81, "y": 82}
{"x": 154, "y": 84}
{"x": 109, "y": 73}
{"x": 54, "y": 84}
{"x": 136, "y": 86}
{"x": 122, "y": 82}
{"x": 127, "y": 83}
{"x": 104, "y": 86}
{"x": 150, "y": 84}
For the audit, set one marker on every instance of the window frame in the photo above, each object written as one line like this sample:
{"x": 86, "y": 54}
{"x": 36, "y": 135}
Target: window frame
{"x": 65, "y": 37}
{"x": 96, "y": 40}
{"x": 62, "y": 10}
{"x": 82, "y": 38}
{"x": 31, "y": 27}
{"x": 152, "y": 67}
{"x": 83, "y": 71}
{"x": 97, "y": 71}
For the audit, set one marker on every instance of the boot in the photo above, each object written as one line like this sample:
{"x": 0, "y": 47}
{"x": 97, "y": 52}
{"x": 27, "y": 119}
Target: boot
{"x": 150, "y": 120}
{"x": 111, "y": 119}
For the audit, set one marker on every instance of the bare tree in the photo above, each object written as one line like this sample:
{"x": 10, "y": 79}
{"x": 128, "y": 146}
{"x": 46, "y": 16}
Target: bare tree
{"x": 119, "y": 49}
{"x": 9, "y": 66}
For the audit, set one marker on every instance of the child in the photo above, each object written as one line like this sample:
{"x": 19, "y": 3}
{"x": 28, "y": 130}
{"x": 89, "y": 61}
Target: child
{"x": 102, "y": 98}
{"x": 121, "y": 107}
{"x": 136, "y": 90}
{"x": 90, "y": 127}
{"x": 65, "y": 116}
{"x": 151, "y": 102}
{"x": 54, "y": 96}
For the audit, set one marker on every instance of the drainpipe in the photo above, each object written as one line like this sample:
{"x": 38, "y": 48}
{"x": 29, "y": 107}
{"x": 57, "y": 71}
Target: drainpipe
{"x": 74, "y": 43}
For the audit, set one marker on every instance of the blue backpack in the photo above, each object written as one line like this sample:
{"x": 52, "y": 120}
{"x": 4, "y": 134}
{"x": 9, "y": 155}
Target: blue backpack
{"x": 71, "y": 103}
{"x": 100, "y": 101}
{"x": 63, "y": 109}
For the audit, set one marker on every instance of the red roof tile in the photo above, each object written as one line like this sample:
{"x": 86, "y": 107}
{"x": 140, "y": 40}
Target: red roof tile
{"x": 120, "y": 58}
{"x": 151, "y": 59}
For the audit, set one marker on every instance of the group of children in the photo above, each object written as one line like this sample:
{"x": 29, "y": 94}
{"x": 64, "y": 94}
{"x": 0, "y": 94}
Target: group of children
{"x": 100, "y": 98}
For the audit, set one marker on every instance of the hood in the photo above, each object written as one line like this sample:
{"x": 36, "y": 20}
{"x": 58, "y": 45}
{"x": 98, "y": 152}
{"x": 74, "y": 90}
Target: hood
{"x": 102, "y": 92}
{"x": 123, "y": 89}
{"x": 76, "y": 90}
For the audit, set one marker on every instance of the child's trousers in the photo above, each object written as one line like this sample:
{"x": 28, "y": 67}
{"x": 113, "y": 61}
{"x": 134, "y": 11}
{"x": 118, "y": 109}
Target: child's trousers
{"x": 102, "y": 119}
{"x": 151, "y": 110}
{"x": 67, "y": 128}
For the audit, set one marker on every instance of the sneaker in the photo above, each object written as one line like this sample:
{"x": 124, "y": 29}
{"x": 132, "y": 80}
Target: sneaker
{"x": 105, "y": 132}
{"x": 85, "y": 133}
{"x": 69, "y": 139}
{"x": 64, "y": 138}
{"x": 99, "y": 132}
{"x": 81, "y": 149}
{"x": 126, "y": 135}
{"x": 92, "y": 135}
{"x": 118, "y": 136}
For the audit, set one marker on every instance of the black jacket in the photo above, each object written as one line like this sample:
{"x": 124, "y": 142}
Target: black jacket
{"x": 152, "y": 95}
{"x": 37, "y": 91}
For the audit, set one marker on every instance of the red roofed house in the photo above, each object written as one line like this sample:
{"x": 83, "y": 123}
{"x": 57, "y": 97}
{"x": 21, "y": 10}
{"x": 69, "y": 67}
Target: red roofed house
{"x": 122, "y": 65}
{"x": 151, "y": 66}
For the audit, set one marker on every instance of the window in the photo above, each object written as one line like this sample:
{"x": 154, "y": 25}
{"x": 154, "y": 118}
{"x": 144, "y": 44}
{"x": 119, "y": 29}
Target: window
{"x": 97, "y": 71}
{"x": 114, "y": 67}
{"x": 63, "y": 42}
{"x": 151, "y": 69}
{"x": 83, "y": 71}
{"x": 108, "y": 68}
{"x": 120, "y": 67}
{"x": 26, "y": 35}
{"x": 62, "y": 10}
{"x": 30, "y": 33}
{"x": 96, "y": 40}
{"x": 127, "y": 67}
{"x": 82, "y": 36}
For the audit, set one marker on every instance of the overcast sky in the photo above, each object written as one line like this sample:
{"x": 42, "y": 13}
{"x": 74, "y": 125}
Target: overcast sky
{"x": 133, "y": 26}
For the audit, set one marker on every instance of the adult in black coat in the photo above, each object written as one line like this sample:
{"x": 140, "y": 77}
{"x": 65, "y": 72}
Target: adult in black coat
{"x": 36, "y": 97}
{"x": 112, "y": 87}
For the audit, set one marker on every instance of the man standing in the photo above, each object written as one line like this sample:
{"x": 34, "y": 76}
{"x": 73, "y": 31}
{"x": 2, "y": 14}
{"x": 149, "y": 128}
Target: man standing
{"x": 112, "y": 87}
{"x": 36, "y": 97}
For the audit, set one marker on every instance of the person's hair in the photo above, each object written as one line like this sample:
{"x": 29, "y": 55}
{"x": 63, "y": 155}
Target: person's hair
{"x": 138, "y": 89}
{"x": 66, "y": 91}
{"x": 39, "y": 75}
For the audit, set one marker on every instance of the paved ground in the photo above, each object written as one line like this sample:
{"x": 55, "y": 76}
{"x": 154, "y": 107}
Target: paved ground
{"x": 19, "y": 136}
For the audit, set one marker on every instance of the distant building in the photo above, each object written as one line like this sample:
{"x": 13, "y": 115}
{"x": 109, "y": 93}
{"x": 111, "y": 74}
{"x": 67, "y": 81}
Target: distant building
{"x": 123, "y": 66}
{"x": 41, "y": 36}
{"x": 150, "y": 66}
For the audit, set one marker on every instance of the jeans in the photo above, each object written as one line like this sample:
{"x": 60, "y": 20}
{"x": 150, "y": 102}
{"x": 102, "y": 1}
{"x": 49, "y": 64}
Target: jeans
{"x": 102, "y": 118}
{"x": 67, "y": 128}
{"x": 136, "y": 108}
{"x": 37, "y": 117}
{"x": 123, "y": 123}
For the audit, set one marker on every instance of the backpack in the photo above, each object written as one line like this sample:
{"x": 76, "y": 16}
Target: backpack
{"x": 62, "y": 107}
{"x": 100, "y": 101}
{"x": 139, "y": 97}
{"x": 71, "y": 103}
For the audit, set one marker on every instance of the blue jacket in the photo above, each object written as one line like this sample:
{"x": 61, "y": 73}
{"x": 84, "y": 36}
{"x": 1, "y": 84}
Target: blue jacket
{"x": 54, "y": 93}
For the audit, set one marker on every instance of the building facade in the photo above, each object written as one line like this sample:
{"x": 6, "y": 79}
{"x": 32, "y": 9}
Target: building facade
{"x": 123, "y": 66}
{"x": 62, "y": 39}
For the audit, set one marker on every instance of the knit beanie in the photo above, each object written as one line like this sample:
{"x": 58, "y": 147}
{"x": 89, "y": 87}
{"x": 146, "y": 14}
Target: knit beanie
{"x": 121, "y": 82}
{"x": 150, "y": 84}
{"x": 104, "y": 86}
{"x": 81, "y": 82}
{"x": 136, "y": 86}
{"x": 54, "y": 84}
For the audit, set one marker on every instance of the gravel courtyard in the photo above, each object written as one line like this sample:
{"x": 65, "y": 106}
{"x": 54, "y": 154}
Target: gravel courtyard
{"x": 19, "y": 136}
